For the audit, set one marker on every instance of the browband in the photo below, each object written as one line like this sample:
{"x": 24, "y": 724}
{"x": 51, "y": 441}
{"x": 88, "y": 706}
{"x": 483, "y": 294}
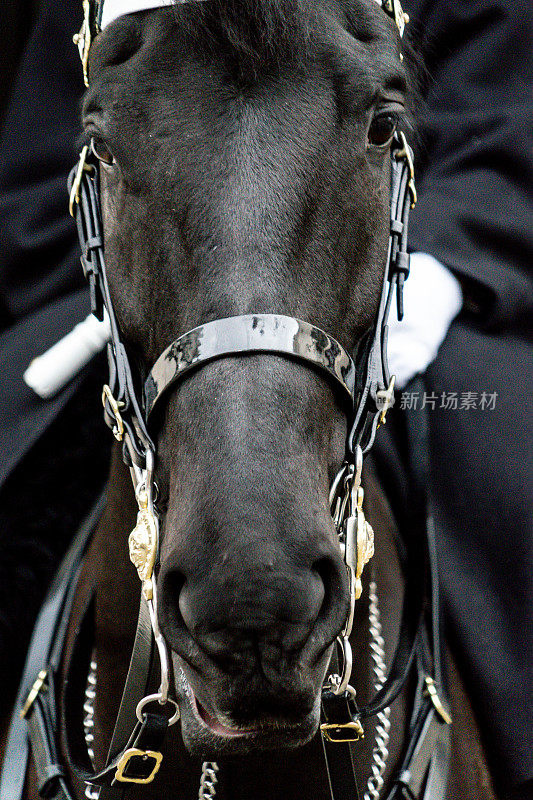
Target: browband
{"x": 113, "y": 9}
{"x": 250, "y": 333}
{"x": 110, "y": 10}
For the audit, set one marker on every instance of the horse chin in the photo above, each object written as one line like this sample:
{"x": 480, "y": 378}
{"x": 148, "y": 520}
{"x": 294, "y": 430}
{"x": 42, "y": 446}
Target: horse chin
{"x": 207, "y": 735}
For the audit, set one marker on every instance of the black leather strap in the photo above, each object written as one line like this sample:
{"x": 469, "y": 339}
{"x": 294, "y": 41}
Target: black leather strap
{"x": 89, "y": 223}
{"x": 425, "y": 764}
{"x": 372, "y": 365}
{"x": 137, "y": 679}
{"x": 50, "y": 773}
{"x": 129, "y": 732}
{"x": 47, "y": 640}
{"x": 340, "y": 770}
{"x": 40, "y": 727}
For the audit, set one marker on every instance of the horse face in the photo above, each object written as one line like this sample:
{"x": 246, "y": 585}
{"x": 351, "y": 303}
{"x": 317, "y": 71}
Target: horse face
{"x": 248, "y": 171}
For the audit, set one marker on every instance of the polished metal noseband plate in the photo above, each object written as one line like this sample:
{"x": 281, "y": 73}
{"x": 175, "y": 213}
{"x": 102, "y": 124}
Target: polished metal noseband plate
{"x": 250, "y": 333}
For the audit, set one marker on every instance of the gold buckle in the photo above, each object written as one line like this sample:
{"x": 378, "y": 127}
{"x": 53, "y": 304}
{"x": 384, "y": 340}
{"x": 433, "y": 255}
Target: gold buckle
{"x": 33, "y": 693}
{"x": 405, "y": 154}
{"x": 118, "y": 430}
{"x": 83, "y": 40}
{"x": 74, "y": 197}
{"x": 327, "y": 729}
{"x": 431, "y": 690}
{"x": 134, "y": 752}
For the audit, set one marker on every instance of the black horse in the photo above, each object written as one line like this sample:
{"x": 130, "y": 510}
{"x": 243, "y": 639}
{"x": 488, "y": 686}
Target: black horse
{"x": 244, "y": 153}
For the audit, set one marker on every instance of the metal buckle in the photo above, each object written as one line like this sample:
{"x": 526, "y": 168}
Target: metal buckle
{"x": 118, "y": 429}
{"x": 405, "y": 154}
{"x": 385, "y": 399}
{"x": 74, "y": 197}
{"x": 328, "y": 728}
{"x": 134, "y": 752}
{"x": 431, "y": 691}
{"x": 83, "y": 40}
{"x": 33, "y": 693}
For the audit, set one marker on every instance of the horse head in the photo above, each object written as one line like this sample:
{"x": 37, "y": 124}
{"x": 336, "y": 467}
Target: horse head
{"x": 244, "y": 153}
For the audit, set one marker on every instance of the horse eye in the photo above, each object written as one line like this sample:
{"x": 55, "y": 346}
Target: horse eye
{"x": 382, "y": 129}
{"x": 101, "y": 151}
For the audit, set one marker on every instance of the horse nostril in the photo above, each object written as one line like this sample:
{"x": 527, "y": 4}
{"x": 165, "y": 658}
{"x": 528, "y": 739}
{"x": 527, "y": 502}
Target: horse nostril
{"x": 332, "y": 574}
{"x": 169, "y": 603}
{"x": 231, "y": 613}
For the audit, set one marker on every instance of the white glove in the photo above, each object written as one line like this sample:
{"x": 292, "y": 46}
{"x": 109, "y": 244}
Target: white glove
{"x": 48, "y": 373}
{"x": 432, "y": 298}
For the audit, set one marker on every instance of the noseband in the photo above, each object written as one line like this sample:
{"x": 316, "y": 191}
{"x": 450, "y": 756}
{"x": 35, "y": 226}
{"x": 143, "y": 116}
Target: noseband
{"x": 251, "y": 333}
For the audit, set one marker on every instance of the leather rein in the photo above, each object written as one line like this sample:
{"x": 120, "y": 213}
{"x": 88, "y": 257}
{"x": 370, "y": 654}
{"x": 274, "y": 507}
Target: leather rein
{"x": 144, "y": 718}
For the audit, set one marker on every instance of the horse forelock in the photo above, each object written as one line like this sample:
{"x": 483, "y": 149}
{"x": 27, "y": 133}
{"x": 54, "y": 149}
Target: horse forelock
{"x": 258, "y": 35}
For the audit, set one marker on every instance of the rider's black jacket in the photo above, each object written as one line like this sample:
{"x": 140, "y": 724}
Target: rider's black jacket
{"x": 474, "y": 163}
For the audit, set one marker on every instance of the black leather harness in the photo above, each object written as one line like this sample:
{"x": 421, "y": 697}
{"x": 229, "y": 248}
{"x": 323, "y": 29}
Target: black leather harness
{"x": 424, "y": 767}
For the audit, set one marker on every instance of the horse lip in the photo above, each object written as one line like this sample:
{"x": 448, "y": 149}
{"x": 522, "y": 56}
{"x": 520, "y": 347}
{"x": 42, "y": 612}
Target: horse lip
{"x": 221, "y": 731}
{"x": 209, "y": 719}
{"x": 214, "y": 723}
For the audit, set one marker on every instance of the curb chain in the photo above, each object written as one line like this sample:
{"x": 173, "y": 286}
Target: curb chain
{"x": 380, "y": 753}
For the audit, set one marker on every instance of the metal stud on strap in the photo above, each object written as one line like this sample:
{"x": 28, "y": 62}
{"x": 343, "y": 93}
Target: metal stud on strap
{"x": 431, "y": 690}
{"x": 384, "y": 398}
{"x": 405, "y": 153}
{"x": 107, "y": 397}
{"x": 394, "y": 9}
{"x": 82, "y": 167}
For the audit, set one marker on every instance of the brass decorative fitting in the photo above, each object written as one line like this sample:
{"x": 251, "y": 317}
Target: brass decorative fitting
{"x": 83, "y": 40}
{"x": 33, "y": 693}
{"x": 347, "y": 732}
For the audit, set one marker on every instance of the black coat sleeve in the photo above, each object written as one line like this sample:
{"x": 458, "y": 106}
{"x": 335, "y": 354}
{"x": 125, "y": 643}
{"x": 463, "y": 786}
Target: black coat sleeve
{"x": 38, "y": 244}
{"x": 474, "y": 157}
{"x": 42, "y": 290}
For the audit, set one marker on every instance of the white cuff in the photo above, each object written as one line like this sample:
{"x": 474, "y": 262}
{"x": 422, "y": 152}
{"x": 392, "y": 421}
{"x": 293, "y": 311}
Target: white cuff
{"x": 49, "y": 373}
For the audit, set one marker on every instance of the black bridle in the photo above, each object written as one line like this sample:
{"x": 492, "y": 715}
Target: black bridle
{"x": 143, "y": 719}
{"x": 365, "y": 383}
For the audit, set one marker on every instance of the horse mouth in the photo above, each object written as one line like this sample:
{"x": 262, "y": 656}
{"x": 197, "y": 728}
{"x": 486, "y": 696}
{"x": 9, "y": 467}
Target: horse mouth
{"x": 209, "y": 734}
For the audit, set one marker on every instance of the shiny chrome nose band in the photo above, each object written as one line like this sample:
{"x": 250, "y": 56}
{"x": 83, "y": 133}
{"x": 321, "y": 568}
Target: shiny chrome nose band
{"x": 248, "y": 334}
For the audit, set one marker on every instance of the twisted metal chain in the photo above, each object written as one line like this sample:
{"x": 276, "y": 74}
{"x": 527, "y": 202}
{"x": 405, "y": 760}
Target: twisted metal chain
{"x": 380, "y": 753}
{"x": 91, "y": 792}
{"x": 208, "y": 781}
